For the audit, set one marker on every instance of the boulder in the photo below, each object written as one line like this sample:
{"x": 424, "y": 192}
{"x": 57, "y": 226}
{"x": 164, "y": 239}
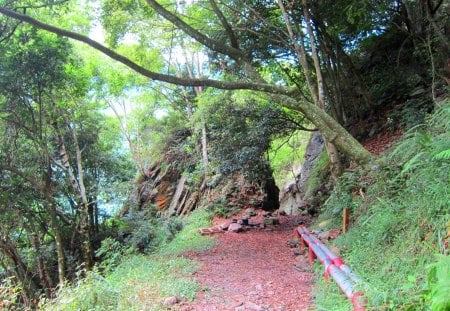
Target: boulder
{"x": 250, "y": 212}
{"x": 235, "y": 227}
{"x": 225, "y": 225}
{"x": 271, "y": 221}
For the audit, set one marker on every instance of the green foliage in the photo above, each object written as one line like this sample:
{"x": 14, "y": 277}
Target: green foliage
{"x": 342, "y": 196}
{"x": 140, "y": 232}
{"x": 139, "y": 282}
{"x": 220, "y": 209}
{"x": 9, "y": 293}
{"x": 439, "y": 284}
{"x": 403, "y": 215}
{"x": 285, "y": 153}
{"x": 188, "y": 238}
{"x": 241, "y": 127}
{"x": 111, "y": 253}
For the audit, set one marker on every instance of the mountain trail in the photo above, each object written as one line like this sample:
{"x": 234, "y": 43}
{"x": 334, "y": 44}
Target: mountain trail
{"x": 253, "y": 270}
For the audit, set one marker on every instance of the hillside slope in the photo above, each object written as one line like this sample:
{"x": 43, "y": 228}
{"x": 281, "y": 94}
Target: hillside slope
{"x": 398, "y": 241}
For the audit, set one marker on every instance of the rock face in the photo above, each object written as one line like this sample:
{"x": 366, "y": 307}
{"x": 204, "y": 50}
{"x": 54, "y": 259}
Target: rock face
{"x": 161, "y": 191}
{"x": 313, "y": 150}
{"x": 291, "y": 198}
{"x": 165, "y": 192}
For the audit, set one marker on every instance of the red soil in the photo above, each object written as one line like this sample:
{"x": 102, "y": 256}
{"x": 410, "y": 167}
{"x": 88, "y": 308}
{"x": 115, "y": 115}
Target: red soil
{"x": 253, "y": 270}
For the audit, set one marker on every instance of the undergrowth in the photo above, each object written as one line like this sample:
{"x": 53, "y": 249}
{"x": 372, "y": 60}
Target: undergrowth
{"x": 400, "y": 214}
{"x": 137, "y": 281}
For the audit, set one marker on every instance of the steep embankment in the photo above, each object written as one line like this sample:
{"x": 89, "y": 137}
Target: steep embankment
{"x": 399, "y": 235}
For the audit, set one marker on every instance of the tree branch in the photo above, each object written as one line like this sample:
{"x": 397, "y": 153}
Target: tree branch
{"x": 225, "y": 85}
{"x": 225, "y": 24}
{"x": 195, "y": 34}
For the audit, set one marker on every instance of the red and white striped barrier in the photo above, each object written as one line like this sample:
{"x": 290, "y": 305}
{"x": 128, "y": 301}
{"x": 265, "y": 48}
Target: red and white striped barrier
{"x": 345, "y": 278}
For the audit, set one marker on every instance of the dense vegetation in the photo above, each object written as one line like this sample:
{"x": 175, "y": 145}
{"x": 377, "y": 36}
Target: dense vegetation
{"x": 396, "y": 243}
{"x": 215, "y": 95}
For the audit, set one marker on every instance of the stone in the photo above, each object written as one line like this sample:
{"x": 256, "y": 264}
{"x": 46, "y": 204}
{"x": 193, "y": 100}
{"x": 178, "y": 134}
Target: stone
{"x": 266, "y": 214}
{"x": 335, "y": 250}
{"x": 235, "y": 227}
{"x": 325, "y": 223}
{"x": 209, "y": 231}
{"x": 225, "y": 226}
{"x": 251, "y": 212}
{"x": 297, "y": 252}
{"x": 293, "y": 243}
{"x": 170, "y": 301}
{"x": 302, "y": 267}
{"x": 324, "y": 236}
{"x": 244, "y": 221}
{"x": 271, "y": 221}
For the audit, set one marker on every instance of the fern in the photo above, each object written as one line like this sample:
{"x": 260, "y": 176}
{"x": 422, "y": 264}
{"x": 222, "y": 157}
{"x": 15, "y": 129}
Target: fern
{"x": 441, "y": 117}
{"x": 439, "y": 283}
{"x": 414, "y": 162}
{"x": 443, "y": 155}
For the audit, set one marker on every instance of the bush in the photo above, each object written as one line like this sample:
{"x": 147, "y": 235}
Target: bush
{"x": 139, "y": 282}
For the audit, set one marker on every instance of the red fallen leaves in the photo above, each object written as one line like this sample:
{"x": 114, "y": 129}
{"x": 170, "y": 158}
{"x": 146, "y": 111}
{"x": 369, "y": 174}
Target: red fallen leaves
{"x": 385, "y": 140}
{"x": 252, "y": 271}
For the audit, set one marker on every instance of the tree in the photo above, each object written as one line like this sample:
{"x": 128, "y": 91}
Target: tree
{"x": 54, "y": 160}
{"x": 289, "y": 96}
{"x": 28, "y": 81}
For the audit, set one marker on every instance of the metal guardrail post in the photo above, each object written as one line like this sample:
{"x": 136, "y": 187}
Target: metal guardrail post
{"x": 344, "y": 277}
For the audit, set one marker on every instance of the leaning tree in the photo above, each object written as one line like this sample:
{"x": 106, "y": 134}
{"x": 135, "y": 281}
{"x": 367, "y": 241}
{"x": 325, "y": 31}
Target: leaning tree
{"x": 276, "y": 31}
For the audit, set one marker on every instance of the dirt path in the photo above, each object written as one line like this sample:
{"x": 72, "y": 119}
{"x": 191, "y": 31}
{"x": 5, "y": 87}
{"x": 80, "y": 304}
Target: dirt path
{"x": 253, "y": 271}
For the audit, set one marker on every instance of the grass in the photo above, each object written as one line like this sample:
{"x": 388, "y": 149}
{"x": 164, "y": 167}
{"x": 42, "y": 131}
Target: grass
{"x": 399, "y": 226}
{"x": 141, "y": 282}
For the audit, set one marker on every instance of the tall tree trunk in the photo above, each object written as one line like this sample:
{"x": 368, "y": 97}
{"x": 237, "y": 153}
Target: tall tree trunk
{"x": 79, "y": 190}
{"x": 59, "y": 245}
{"x": 135, "y": 148}
{"x": 333, "y": 153}
{"x": 317, "y": 91}
{"x": 51, "y": 207}
{"x": 85, "y": 227}
{"x": 204, "y": 140}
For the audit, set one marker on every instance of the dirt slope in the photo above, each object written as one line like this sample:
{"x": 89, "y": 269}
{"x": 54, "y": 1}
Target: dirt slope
{"x": 253, "y": 270}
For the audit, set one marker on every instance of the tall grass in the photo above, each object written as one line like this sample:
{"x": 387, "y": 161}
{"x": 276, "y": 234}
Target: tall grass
{"x": 399, "y": 225}
{"x": 141, "y": 282}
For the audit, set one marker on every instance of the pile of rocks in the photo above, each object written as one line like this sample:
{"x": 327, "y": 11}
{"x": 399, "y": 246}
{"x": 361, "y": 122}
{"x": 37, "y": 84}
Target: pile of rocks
{"x": 244, "y": 223}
